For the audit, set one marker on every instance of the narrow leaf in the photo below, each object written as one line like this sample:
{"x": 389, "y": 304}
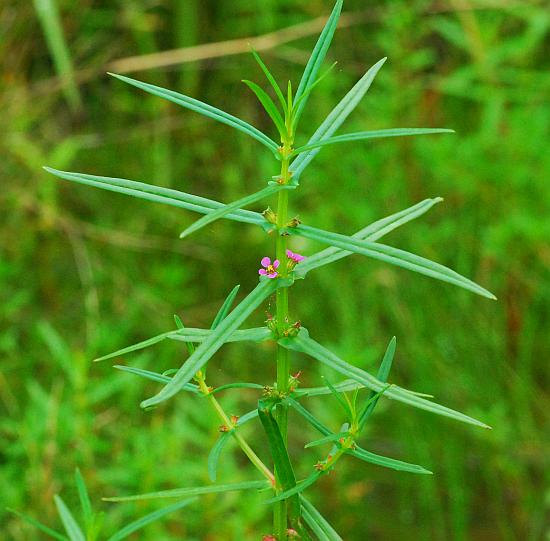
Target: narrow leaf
{"x": 214, "y": 341}
{"x": 318, "y": 55}
{"x": 148, "y": 519}
{"x": 303, "y": 343}
{"x": 42, "y": 527}
{"x": 270, "y": 78}
{"x": 225, "y": 307}
{"x": 383, "y": 374}
{"x": 296, "y": 489}
{"x": 394, "y": 256}
{"x": 229, "y": 208}
{"x": 154, "y": 376}
{"x": 192, "y": 491}
{"x": 84, "y": 497}
{"x": 268, "y": 105}
{"x": 158, "y": 194}
{"x": 374, "y": 134}
{"x": 335, "y": 119}
{"x": 327, "y": 529}
{"x": 279, "y": 454}
{"x": 327, "y": 439}
{"x": 203, "y": 109}
{"x": 71, "y": 527}
{"x": 372, "y": 233}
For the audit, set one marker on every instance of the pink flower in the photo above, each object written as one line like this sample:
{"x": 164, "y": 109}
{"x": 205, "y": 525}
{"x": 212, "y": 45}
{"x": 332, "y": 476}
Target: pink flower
{"x": 294, "y": 257}
{"x": 269, "y": 270}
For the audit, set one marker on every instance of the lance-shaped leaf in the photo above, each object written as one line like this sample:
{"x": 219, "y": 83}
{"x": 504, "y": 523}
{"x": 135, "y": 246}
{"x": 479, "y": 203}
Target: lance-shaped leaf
{"x": 317, "y": 56}
{"x": 42, "y": 527}
{"x": 225, "y": 307}
{"x": 374, "y": 134}
{"x": 192, "y": 491}
{"x": 203, "y": 109}
{"x": 279, "y": 454}
{"x": 317, "y": 522}
{"x": 271, "y": 79}
{"x": 297, "y": 488}
{"x": 391, "y": 255}
{"x": 358, "y": 452}
{"x": 382, "y": 375}
{"x": 268, "y": 105}
{"x": 335, "y": 119}
{"x": 231, "y": 207}
{"x": 257, "y": 334}
{"x": 69, "y": 523}
{"x": 215, "y": 340}
{"x": 84, "y": 498}
{"x": 372, "y": 233}
{"x": 148, "y": 519}
{"x": 303, "y": 343}
{"x": 327, "y": 439}
{"x": 158, "y": 194}
{"x": 155, "y": 376}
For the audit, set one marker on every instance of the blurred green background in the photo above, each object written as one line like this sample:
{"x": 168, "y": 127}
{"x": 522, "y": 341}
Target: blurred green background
{"x": 84, "y": 272}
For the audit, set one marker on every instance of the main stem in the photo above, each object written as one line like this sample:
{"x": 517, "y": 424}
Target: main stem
{"x": 283, "y": 362}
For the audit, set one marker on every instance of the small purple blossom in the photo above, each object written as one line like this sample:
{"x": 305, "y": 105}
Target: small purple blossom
{"x": 270, "y": 269}
{"x": 294, "y": 257}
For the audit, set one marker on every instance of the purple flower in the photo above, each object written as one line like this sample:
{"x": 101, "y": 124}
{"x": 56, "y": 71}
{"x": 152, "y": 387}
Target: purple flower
{"x": 294, "y": 257}
{"x": 270, "y": 269}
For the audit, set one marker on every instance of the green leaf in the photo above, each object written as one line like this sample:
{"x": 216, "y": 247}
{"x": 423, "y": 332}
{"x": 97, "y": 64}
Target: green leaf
{"x": 279, "y": 454}
{"x": 203, "y": 109}
{"x": 258, "y": 334}
{"x": 375, "y": 134}
{"x": 318, "y": 55}
{"x": 344, "y": 405}
{"x": 383, "y": 374}
{"x": 215, "y": 340}
{"x": 229, "y": 208}
{"x": 84, "y": 497}
{"x": 39, "y": 525}
{"x": 310, "y": 88}
{"x": 327, "y": 439}
{"x": 297, "y": 488}
{"x": 157, "y": 194}
{"x": 372, "y": 233}
{"x": 303, "y": 343}
{"x": 237, "y": 385}
{"x": 269, "y": 106}
{"x": 147, "y": 519}
{"x": 225, "y": 307}
{"x": 319, "y": 520}
{"x": 71, "y": 527}
{"x": 335, "y": 119}
{"x": 391, "y": 255}
{"x": 270, "y": 78}
{"x": 154, "y": 376}
{"x": 192, "y": 491}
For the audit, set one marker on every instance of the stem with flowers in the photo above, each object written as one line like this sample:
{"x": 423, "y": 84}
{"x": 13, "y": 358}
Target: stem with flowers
{"x": 294, "y": 516}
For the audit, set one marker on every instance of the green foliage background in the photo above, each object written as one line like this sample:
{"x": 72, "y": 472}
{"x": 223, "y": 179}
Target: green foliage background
{"x": 84, "y": 272}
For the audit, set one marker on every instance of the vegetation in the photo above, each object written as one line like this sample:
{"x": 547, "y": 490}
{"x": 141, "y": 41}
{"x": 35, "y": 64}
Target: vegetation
{"x": 476, "y": 71}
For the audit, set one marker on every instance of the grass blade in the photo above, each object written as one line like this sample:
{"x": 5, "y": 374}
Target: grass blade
{"x": 203, "y": 109}
{"x": 192, "y": 491}
{"x": 148, "y": 519}
{"x": 42, "y": 527}
{"x": 335, "y": 119}
{"x": 158, "y": 194}
{"x": 279, "y": 454}
{"x": 271, "y": 79}
{"x": 382, "y": 375}
{"x": 231, "y": 207}
{"x": 225, "y": 307}
{"x": 84, "y": 497}
{"x": 214, "y": 342}
{"x": 394, "y": 256}
{"x": 303, "y": 343}
{"x": 372, "y": 233}
{"x": 327, "y": 529}
{"x": 268, "y": 105}
{"x": 375, "y": 134}
{"x": 71, "y": 526}
{"x": 317, "y": 56}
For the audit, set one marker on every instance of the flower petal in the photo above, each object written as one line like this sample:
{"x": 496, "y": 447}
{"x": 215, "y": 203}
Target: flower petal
{"x": 273, "y": 275}
{"x": 263, "y": 272}
{"x": 290, "y": 254}
{"x": 276, "y": 264}
{"x": 266, "y": 261}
